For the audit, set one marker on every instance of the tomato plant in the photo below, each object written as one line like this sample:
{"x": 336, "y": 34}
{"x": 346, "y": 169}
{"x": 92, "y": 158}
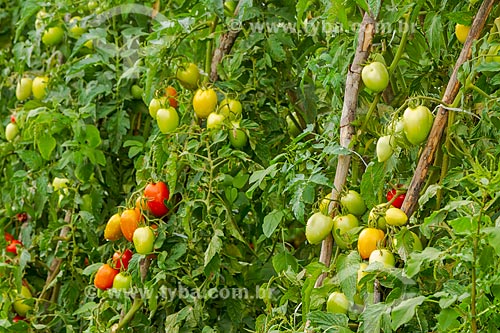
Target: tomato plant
{"x": 129, "y": 222}
{"x": 204, "y": 102}
{"x": 318, "y": 227}
{"x": 104, "y": 277}
{"x": 398, "y": 200}
{"x": 369, "y": 240}
{"x": 353, "y": 202}
{"x": 375, "y": 76}
{"x": 417, "y": 123}
{"x": 156, "y": 195}
{"x": 122, "y": 259}
{"x": 144, "y": 239}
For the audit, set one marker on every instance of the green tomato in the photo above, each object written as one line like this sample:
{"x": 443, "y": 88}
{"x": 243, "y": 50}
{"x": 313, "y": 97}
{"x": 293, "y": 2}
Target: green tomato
{"x": 75, "y": 30}
{"x": 23, "y": 88}
{"x": 189, "y": 76}
{"x": 395, "y": 217}
{"x": 230, "y": 108}
{"x": 337, "y": 303}
{"x": 318, "y": 227}
{"x": 375, "y": 76}
{"x": 39, "y": 86}
{"x": 229, "y": 7}
{"x": 383, "y": 256}
{"x": 122, "y": 281}
{"x": 215, "y": 120}
{"x": 11, "y": 131}
{"x": 237, "y": 136}
{"x": 53, "y": 36}
{"x": 144, "y": 240}
{"x": 377, "y": 216}
{"x": 353, "y": 202}
{"x": 167, "y": 120}
{"x": 417, "y": 123}
{"x": 136, "y": 92}
{"x": 19, "y": 305}
{"x": 385, "y": 148}
{"x": 155, "y": 104}
{"x": 342, "y": 225}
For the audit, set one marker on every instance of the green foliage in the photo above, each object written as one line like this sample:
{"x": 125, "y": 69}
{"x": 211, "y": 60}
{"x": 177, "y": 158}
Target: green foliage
{"x": 231, "y": 254}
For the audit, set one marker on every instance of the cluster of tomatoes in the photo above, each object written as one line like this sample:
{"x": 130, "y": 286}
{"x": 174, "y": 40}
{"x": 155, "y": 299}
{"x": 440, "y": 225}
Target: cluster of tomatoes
{"x": 227, "y": 113}
{"x": 412, "y": 128}
{"x": 53, "y": 34}
{"x": 19, "y": 305}
{"x": 130, "y": 224}
{"x": 371, "y": 239}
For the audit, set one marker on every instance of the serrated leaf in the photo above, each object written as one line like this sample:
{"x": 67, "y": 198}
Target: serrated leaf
{"x": 46, "y": 145}
{"x": 31, "y": 158}
{"x": 347, "y": 273}
{"x": 416, "y": 260}
{"x": 371, "y": 318}
{"x": 214, "y": 246}
{"x": 374, "y": 6}
{"x": 493, "y": 236}
{"x": 275, "y": 48}
{"x": 371, "y": 182}
{"x": 92, "y": 136}
{"x": 433, "y": 32}
{"x": 405, "y": 311}
{"x": 271, "y": 222}
{"x": 283, "y": 260}
{"x": 333, "y": 322}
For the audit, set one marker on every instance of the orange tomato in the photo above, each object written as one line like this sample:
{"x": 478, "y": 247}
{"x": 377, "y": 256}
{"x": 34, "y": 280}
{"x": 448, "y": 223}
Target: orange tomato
{"x": 129, "y": 221}
{"x": 368, "y": 241}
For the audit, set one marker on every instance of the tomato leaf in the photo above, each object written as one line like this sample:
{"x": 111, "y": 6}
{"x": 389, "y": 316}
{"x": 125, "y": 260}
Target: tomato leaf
{"x": 214, "y": 246}
{"x": 417, "y": 259}
{"x": 92, "y": 136}
{"x": 347, "y": 273}
{"x": 372, "y": 317}
{"x": 46, "y": 145}
{"x": 493, "y": 236}
{"x": 329, "y": 321}
{"x": 271, "y": 222}
{"x": 283, "y": 260}
{"x": 404, "y": 311}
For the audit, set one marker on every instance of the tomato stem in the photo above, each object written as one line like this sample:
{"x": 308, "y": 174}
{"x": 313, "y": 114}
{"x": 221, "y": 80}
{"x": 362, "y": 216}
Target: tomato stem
{"x": 130, "y": 314}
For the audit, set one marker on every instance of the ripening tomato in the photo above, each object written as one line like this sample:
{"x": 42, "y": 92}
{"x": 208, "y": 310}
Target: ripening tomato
{"x": 461, "y": 31}
{"x": 337, "y": 303}
{"x": 104, "y": 277}
{"x": 353, "y": 202}
{"x": 129, "y": 221}
{"x": 18, "y": 318}
{"x": 230, "y": 108}
{"x": 23, "y": 88}
{"x": 204, "y": 102}
{"x": 39, "y": 86}
{"x": 75, "y": 29}
{"x": 144, "y": 240}
{"x": 341, "y": 227}
{"x": 11, "y": 131}
{"x": 383, "y": 256}
{"x": 398, "y": 201}
{"x": 113, "y": 229}
{"x": 122, "y": 281}
{"x": 385, "y": 147}
{"x": 375, "y": 76}
{"x": 395, "y": 217}
{"x": 189, "y": 75}
{"x": 167, "y": 120}
{"x": 156, "y": 104}
{"x": 171, "y": 94}
{"x": 122, "y": 259}
{"x": 368, "y": 241}
{"x": 318, "y": 227}
{"x": 12, "y": 246}
{"x": 417, "y": 123}
{"x": 156, "y": 195}
{"x": 53, "y": 36}
{"x": 215, "y": 120}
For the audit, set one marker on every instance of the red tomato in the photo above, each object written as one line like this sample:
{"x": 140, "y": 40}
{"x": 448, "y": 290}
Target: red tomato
{"x": 12, "y": 119}
{"x": 18, "y": 318}
{"x": 171, "y": 93}
{"x": 398, "y": 202}
{"x": 12, "y": 247}
{"x": 8, "y": 237}
{"x": 105, "y": 276}
{"x": 122, "y": 259}
{"x": 156, "y": 195}
{"x": 22, "y": 217}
